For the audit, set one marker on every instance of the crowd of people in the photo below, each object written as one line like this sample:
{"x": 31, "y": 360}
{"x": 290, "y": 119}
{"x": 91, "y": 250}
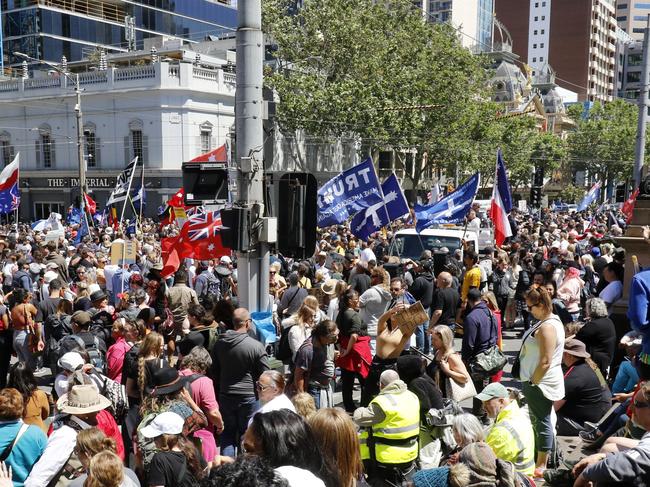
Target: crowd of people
{"x": 117, "y": 376}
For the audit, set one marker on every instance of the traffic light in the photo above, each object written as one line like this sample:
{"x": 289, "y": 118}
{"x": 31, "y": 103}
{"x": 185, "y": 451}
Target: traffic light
{"x": 536, "y": 196}
{"x": 297, "y": 215}
{"x": 205, "y": 183}
{"x": 621, "y": 191}
{"x": 235, "y": 228}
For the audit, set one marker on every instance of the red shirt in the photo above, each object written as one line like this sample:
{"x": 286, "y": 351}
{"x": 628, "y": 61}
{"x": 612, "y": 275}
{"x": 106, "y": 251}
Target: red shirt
{"x": 106, "y": 422}
{"x": 115, "y": 358}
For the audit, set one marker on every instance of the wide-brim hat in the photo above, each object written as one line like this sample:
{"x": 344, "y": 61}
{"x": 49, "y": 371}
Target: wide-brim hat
{"x": 576, "y": 348}
{"x": 329, "y": 286}
{"x": 98, "y": 296}
{"x": 166, "y": 381}
{"x": 82, "y": 399}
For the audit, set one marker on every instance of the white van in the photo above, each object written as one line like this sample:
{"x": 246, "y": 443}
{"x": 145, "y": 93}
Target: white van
{"x": 408, "y": 244}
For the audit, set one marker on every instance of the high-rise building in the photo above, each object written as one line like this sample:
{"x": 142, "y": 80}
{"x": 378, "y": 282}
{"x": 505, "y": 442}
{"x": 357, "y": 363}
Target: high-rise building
{"x": 473, "y": 19}
{"x": 632, "y": 17}
{"x": 50, "y": 29}
{"x": 577, "y": 38}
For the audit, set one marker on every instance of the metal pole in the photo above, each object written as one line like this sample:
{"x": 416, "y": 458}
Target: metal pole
{"x": 80, "y": 153}
{"x": 643, "y": 108}
{"x": 2, "y": 53}
{"x": 253, "y": 267}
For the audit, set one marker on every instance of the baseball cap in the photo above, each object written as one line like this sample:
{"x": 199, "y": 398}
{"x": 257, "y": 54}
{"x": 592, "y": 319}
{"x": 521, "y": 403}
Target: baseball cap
{"x": 71, "y": 361}
{"x": 49, "y": 276}
{"x": 225, "y": 260}
{"x": 167, "y": 423}
{"x": 492, "y": 391}
{"x": 81, "y": 318}
{"x": 595, "y": 251}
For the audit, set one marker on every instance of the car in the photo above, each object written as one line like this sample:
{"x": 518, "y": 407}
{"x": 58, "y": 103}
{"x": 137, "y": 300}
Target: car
{"x": 408, "y": 244}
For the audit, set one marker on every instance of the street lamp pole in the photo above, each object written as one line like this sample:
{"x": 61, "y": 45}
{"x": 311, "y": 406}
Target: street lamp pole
{"x": 80, "y": 131}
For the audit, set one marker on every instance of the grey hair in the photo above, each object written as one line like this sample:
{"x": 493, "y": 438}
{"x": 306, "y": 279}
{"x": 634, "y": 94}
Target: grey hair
{"x": 198, "y": 360}
{"x": 388, "y": 377}
{"x": 468, "y": 429}
{"x": 596, "y": 308}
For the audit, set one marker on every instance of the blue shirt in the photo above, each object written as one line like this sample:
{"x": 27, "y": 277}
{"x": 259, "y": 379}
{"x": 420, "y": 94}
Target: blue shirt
{"x": 639, "y": 310}
{"x": 25, "y": 452}
{"x": 120, "y": 282}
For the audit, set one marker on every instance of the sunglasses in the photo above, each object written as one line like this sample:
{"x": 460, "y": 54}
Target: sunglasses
{"x": 262, "y": 387}
{"x": 272, "y": 272}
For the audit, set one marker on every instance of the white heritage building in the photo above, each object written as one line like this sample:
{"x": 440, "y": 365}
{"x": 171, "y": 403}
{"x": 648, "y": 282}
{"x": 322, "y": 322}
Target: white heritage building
{"x": 165, "y": 107}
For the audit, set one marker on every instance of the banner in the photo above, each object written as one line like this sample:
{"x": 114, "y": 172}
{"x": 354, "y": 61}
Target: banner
{"x": 451, "y": 209}
{"x": 377, "y": 216}
{"x": 121, "y": 190}
{"x": 347, "y": 194}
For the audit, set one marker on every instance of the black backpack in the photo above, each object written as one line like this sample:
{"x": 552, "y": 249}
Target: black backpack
{"x": 284, "y": 350}
{"x": 56, "y": 327}
{"x": 73, "y": 343}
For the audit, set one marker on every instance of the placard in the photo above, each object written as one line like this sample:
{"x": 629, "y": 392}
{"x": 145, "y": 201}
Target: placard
{"x": 123, "y": 252}
{"x": 409, "y": 318}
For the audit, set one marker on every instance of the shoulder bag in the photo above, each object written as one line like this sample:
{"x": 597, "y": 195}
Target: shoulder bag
{"x": 10, "y": 446}
{"x": 490, "y": 361}
{"x": 460, "y": 392}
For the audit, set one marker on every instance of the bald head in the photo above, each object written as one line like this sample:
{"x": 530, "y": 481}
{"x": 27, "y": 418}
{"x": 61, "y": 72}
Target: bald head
{"x": 387, "y": 377}
{"x": 444, "y": 280}
{"x": 241, "y": 319}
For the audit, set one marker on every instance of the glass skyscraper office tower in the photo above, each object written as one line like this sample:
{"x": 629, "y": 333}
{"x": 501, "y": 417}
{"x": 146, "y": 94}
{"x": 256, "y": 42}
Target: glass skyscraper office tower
{"x": 50, "y": 29}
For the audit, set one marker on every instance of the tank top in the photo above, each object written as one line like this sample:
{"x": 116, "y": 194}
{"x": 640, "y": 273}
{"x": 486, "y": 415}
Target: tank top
{"x": 552, "y": 384}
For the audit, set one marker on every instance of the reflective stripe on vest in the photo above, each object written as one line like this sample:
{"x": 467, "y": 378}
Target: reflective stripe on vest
{"x": 520, "y": 464}
{"x": 400, "y": 428}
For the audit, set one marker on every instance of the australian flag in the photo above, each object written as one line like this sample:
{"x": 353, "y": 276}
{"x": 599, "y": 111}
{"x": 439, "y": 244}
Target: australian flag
{"x": 377, "y": 216}
{"x": 9, "y": 192}
{"x": 451, "y": 209}
{"x": 348, "y": 193}
{"x": 590, "y": 197}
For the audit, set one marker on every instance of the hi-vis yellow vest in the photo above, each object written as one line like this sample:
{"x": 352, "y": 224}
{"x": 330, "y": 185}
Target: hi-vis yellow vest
{"x": 400, "y": 429}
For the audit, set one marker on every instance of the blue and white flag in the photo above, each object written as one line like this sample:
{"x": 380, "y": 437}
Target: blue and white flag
{"x": 348, "y": 193}
{"x": 82, "y": 231}
{"x": 590, "y": 197}
{"x": 377, "y": 216}
{"x": 451, "y": 209}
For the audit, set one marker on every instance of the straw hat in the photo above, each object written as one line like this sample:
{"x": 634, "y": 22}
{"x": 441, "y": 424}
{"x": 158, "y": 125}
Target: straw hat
{"x": 82, "y": 399}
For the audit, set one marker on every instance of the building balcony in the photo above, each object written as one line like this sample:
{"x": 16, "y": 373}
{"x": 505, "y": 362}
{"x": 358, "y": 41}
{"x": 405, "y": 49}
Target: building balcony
{"x": 163, "y": 75}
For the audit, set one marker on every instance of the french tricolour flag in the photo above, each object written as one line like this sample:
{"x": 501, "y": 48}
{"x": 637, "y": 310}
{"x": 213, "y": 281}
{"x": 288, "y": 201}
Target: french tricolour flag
{"x": 501, "y": 203}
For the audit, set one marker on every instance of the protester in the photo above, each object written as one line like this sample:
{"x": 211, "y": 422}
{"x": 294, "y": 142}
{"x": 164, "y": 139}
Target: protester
{"x": 36, "y": 404}
{"x": 598, "y": 334}
{"x": 446, "y": 363}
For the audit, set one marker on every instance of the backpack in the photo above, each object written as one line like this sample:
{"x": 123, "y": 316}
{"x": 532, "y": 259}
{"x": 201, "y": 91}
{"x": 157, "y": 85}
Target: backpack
{"x": 213, "y": 288}
{"x": 56, "y": 327}
{"x": 96, "y": 356}
{"x": 71, "y": 343}
{"x": 116, "y": 393}
{"x": 284, "y": 350}
{"x": 210, "y": 336}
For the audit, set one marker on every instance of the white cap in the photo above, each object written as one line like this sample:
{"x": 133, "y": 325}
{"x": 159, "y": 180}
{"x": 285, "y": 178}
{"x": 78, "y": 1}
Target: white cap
{"x": 225, "y": 260}
{"x": 168, "y": 423}
{"x": 49, "y": 276}
{"x": 71, "y": 361}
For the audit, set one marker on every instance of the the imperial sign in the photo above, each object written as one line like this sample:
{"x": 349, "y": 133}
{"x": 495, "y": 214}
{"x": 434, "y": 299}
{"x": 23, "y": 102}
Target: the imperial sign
{"x": 91, "y": 182}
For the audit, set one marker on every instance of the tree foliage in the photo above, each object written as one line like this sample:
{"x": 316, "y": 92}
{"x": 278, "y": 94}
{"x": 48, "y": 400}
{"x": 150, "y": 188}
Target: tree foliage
{"x": 379, "y": 71}
{"x": 604, "y": 140}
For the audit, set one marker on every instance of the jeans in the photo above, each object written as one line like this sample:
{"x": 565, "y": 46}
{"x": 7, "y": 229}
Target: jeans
{"x": 539, "y": 408}
{"x": 347, "y": 384}
{"x": 21, "y": 346}
{"x": 422, "y": 338}
{"x": 236, "y": 411}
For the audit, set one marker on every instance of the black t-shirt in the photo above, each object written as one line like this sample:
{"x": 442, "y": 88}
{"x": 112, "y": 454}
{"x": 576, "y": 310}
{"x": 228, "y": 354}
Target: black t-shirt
{"x": 586, "y": 399}
{"x": 446, "y": 299}
{"x": 599, "y": 336}
{"x": 360, "y": 282}
{"x": 130, "y": 368}
{"x": 349, "y": 322}
{"x": 166, "y": 468}
{"x": 45, "y": 308}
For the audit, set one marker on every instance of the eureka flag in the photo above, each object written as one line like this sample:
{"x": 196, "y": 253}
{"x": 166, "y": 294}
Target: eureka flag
{"x": 377, "y": 216}
{"x": 451, "y": 209}
{"x": 348, "y": 193}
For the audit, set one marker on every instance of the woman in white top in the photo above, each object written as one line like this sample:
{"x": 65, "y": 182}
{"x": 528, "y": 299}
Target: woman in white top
{"x": 307, "y": 316}
{"x": 270, "y": 390}
{"x": 541, "y": 370}
{"x": 613, "y": 274}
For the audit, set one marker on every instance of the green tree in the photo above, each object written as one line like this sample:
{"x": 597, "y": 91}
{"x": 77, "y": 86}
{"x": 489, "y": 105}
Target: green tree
{"x": 379, "y": 71}
{"x": 571, "y": 194}
{"x": 604, "y": 140}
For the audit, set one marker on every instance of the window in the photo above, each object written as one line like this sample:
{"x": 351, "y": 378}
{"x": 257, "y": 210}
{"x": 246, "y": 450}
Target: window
{"x": 621, "y": 6}
{"x": 641, "y": 5}
{"x": 44, "y": 210}
{"x": 536, "y": 18}
{"x": 543, "y": 17}
{"x": 6, "y": 149}
{"x": 45, "y": 153}
{"x": 206, "y": 137}
{"x": 543, "y": 4}
{"x": 542, "y": 31}
{"x": 91, "y": 146}
{"x": 536, "y": 4}
{"x": 634, "y": 77}
{"x": 621, "y": 18}
{"x": 541, "y": 58}
{"x": 640, "y": 18}
{"x": 534, "y": 59}
{"x": 136, "y": 143}
{"x": 535, "y": 32}
{"x": 534, "y": 46}
{"x": 638, "y": 30}
{"x": 541, "y": 45}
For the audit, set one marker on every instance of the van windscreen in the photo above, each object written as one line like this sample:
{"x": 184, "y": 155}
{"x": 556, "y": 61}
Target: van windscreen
{"x": 412, "y": 246}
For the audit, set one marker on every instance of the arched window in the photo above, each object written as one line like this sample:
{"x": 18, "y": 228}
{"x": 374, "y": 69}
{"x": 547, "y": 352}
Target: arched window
{"x": 6, "y": 149}
{"x": 45, "y": 148}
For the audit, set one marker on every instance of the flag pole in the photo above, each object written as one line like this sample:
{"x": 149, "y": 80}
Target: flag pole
{"x": 141, "y": 196}
{"x": 128, "y": 191}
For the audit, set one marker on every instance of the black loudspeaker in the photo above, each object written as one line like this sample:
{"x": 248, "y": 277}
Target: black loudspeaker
{"x": 297, "y": 215}
{"x": 205, "y": 183}
{"x": 235, "y": 232}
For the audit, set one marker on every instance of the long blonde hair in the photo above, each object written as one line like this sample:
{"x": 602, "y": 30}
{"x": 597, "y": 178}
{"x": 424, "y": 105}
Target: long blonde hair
{"x": 106, "y": 470}
{"x": 151, "y": 346}
{"x": 336, "y": 434}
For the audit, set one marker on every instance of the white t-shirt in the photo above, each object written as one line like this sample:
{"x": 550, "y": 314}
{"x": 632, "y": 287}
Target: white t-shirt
{"x": 275, "y": 404}
{"x": 298, "y": 477}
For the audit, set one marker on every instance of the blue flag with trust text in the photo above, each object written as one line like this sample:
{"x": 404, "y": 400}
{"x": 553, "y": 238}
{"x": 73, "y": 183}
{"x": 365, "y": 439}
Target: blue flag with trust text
{"x": 451, "y": 209}
{"x": 348, "y": 193}
{"x": 377, "y": 216}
